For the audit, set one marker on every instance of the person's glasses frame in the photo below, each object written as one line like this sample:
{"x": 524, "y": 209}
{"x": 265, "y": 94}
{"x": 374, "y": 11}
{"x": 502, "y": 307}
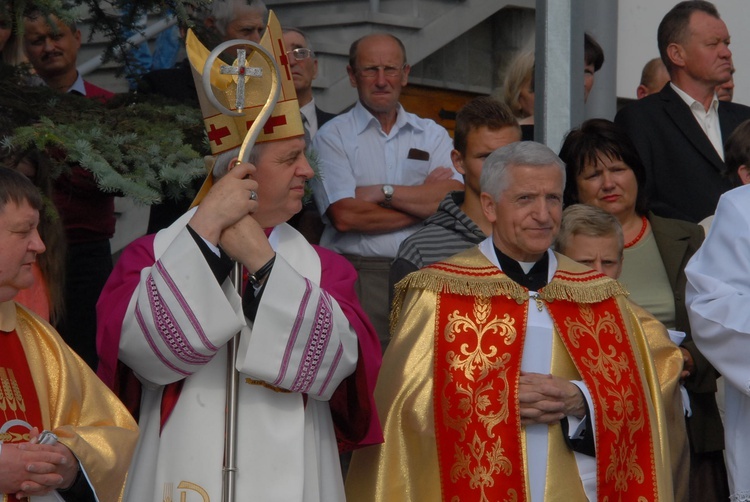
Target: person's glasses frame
{"x": 388, "y": 71}
{"x": 300, "y": 53}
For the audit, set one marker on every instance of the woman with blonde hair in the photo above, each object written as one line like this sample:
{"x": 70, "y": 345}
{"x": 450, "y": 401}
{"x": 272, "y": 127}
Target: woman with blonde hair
{"x": 518, "y": 91}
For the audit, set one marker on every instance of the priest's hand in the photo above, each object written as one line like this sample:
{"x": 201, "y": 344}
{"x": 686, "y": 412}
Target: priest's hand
{"x": 226, "y": 203}
{"x": 246, "y": 242}
{"x": 545, "y": 399}
{"x": 34, "y": 469}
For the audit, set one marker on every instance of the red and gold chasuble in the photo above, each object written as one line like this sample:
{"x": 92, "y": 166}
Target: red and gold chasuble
{"x": 19, "y": 404}
{"x": 479, "y": 341}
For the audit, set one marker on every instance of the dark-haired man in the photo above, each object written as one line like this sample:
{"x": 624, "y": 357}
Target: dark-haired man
{"x": 87, "y": 213}
{"x": 46, "y": 386}
{"x": 679, "y": 132}
{"x": 482, "y": 126}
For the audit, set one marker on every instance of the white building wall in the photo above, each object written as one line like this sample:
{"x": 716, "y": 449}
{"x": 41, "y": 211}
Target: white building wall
{"x": 637, "y": 24}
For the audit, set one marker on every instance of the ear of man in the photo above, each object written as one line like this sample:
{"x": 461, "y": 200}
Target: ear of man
{"x": 676, "y": 55}
{"x": 744, "y": 173}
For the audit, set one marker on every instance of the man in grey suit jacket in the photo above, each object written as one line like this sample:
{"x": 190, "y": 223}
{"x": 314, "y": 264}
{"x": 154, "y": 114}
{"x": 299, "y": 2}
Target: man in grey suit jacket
{"x": 679, "y": 132}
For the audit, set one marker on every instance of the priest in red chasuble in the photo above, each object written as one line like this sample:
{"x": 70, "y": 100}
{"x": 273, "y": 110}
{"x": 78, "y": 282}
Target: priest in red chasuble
{"x": 44, "y": 385}
{"x": 515, "y": 373}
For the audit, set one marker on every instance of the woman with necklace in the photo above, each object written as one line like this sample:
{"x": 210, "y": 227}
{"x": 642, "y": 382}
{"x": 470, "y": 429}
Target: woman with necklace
{"x": 604, "y": 170}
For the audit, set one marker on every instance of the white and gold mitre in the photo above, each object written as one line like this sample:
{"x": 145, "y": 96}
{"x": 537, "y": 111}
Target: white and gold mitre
{"x": 227, "y": 132}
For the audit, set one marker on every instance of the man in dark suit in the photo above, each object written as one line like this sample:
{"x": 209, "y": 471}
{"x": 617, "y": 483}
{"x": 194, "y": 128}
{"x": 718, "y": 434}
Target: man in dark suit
{"x": 679, "y": 132}
{"x": 304, "y": 67}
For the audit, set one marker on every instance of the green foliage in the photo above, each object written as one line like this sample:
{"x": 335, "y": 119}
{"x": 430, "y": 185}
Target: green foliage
{"x": 138, "y": 147}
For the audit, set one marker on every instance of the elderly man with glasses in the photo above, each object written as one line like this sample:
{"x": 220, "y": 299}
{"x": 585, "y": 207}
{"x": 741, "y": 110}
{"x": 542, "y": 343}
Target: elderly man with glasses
{"x": 304, "y": 67}
{"x": 383, "y": 171}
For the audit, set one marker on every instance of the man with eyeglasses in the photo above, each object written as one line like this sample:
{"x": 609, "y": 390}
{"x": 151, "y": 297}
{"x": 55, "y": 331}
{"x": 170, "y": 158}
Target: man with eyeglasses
{"x": 383, "y": 171}
{"x": 304, "y": 66}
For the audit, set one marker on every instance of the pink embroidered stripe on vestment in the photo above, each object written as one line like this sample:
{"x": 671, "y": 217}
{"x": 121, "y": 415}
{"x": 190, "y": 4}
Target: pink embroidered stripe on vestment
{"x": 167, "y": 327}
{"x": 295, "y": 332}
{"x": 317, "y": 343}
{"x": 185, "y": 307}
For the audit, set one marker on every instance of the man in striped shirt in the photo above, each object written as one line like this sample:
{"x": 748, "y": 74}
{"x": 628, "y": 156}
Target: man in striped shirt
{"x": 482, "y": 126}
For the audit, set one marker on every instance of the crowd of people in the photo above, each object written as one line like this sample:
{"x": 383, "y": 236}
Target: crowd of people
{"x": 468, "y": 318}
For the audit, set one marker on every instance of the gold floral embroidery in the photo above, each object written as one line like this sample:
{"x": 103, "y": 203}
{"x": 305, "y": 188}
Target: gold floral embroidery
{"x": 479, "y": 356}
{"x": 622, "y": 408}
{"x": 476, "y": 390}
{"x": 479, "y": 465}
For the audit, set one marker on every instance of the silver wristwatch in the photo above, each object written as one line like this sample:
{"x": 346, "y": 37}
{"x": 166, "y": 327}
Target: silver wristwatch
{"x": 388, "y": 192}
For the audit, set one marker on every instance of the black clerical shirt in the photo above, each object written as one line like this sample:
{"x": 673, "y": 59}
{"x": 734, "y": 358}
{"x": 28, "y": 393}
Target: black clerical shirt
{"x": 535, "y": 280}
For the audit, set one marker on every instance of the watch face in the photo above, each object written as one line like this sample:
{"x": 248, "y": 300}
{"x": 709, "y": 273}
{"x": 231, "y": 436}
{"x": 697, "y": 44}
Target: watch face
{"x": 388, "y": 190}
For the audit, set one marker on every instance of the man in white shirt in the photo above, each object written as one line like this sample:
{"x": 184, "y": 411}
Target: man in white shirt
{"x": 383, "y": 171}
{"x": 679, "y": 131}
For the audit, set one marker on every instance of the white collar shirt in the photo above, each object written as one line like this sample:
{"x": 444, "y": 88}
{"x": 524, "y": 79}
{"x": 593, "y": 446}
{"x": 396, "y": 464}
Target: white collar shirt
{"x": 308, "y": 111}
{"x": 353, "y": 150}
{"x": 78, "y": 86}
{"x": 707, "y": 119}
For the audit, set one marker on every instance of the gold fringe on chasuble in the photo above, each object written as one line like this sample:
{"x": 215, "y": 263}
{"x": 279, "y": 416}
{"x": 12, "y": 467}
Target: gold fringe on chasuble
{"x": 469, "y": 273}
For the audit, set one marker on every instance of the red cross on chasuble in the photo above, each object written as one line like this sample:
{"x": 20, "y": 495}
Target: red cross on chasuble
{"x": 19, "y": 404}
{"x": 479, "y": 344}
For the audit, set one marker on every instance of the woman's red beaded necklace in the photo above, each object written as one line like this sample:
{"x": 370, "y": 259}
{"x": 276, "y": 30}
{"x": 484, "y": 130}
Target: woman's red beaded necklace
{"x": 638, "y": 237}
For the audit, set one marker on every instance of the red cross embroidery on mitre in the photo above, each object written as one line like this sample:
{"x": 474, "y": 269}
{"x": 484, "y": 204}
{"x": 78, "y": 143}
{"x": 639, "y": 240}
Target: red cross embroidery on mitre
{"x": 284, "y": 60}
{"x": 215, "y": 135}
{"x": 271, "y": 123}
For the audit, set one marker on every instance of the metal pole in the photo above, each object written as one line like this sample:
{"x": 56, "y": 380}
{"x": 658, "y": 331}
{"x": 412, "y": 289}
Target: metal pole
{"x": 559, "y": 70}
{"x": 230, "y": 418}
{"x": 600, "y": 21}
